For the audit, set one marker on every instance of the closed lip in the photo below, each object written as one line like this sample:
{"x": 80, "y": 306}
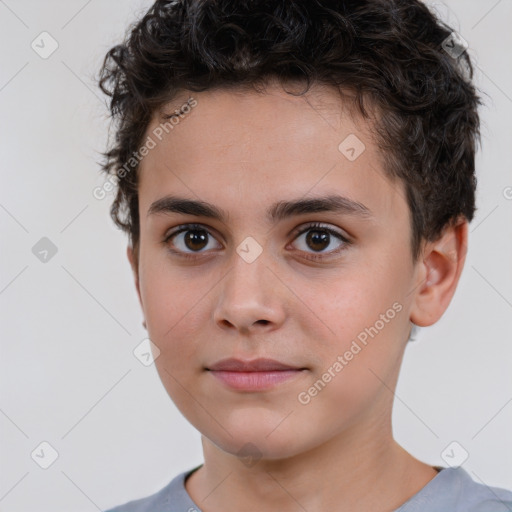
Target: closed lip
{"x": 255, "y": 365}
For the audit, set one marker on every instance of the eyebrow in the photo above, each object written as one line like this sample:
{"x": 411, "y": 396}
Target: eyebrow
{"x": 278, "y": 211}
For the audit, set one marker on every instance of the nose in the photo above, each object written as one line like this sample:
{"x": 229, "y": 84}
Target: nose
{"x": 251, "y": 297}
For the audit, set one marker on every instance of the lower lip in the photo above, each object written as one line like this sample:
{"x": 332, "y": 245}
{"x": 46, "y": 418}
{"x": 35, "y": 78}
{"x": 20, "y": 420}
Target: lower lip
{"x": 254, "y": 381}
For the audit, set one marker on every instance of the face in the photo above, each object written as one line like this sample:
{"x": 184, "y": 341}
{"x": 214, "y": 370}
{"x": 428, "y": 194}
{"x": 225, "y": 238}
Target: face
{"x": 322, "y": 289}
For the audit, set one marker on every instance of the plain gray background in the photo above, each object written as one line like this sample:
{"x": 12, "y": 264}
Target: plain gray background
{"x": 69, "y": 325}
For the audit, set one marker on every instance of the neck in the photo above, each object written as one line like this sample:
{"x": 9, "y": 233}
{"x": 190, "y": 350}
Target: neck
{"x": 361, "y": 470}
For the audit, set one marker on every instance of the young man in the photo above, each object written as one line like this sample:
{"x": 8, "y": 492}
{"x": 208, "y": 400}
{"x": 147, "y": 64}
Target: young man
{"x": 296, "y": 178}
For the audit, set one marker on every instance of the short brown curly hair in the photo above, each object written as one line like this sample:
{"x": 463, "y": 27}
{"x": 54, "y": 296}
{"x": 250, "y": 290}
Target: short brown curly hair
{"x": 391, "y": 53}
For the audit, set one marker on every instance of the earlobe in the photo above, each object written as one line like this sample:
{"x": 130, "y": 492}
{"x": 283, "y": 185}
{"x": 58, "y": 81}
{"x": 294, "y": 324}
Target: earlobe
{"x": 439, "y": 270}
{"x": 131, "y": 257}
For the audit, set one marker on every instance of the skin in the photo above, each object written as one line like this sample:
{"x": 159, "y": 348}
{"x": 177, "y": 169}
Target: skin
{"x": 243, "y": 151}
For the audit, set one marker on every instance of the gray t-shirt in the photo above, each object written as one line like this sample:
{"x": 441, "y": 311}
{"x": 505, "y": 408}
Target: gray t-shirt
{"x": 451, "y": 490}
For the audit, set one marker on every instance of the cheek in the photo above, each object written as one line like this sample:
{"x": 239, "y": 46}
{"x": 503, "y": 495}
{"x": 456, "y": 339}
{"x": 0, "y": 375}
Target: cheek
{"x": 349, "y": 304}
{"x": 367, "y": 321}
{"x": 169, "y": 295}
{"x": 175, "y": 313}
{"x": 356, "y": 369}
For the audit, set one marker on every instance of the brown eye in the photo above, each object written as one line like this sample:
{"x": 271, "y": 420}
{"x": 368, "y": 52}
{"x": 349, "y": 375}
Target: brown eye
{"x": 190, "y": 239}
{"x": 195, "y": 240}
{"x": 318, "y": 238}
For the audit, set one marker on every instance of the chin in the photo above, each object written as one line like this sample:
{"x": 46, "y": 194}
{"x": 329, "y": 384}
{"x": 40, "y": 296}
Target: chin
{"x": 253, "y": 443}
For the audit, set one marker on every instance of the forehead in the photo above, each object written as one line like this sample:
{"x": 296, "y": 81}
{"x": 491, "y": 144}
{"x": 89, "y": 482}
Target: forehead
{"x": 246, "y": 149}
{"x": 243, "y": 119}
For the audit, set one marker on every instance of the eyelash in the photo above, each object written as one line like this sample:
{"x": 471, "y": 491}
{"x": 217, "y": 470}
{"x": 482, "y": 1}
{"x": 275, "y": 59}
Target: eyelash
{"x": 310, "y": 227}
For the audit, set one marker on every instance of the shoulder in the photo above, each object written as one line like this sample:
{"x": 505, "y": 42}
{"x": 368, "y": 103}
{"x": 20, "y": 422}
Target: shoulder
{"x": 479, "y": 497}
{"x": 453, "y": 489}
{"x": 156, "y": 501}
{"x": 172, "y": 497}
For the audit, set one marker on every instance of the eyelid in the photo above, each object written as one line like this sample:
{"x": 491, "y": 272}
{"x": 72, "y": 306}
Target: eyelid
{"x": 320, "y": 225}
{"x": 303, "y": 228}
{"x": 188, "y": 227}
{"x": 295, "y": 232}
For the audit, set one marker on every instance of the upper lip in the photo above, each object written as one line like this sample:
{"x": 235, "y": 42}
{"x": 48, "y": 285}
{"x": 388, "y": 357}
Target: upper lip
{"x": 255, "y": 365}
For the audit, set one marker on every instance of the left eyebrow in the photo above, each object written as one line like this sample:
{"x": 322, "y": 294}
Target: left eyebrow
{"x": 278, "y": 211}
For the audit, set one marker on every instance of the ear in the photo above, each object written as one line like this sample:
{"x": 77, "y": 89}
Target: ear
{"x": 438, "y": 272}
{"x": 133, "y": 259}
